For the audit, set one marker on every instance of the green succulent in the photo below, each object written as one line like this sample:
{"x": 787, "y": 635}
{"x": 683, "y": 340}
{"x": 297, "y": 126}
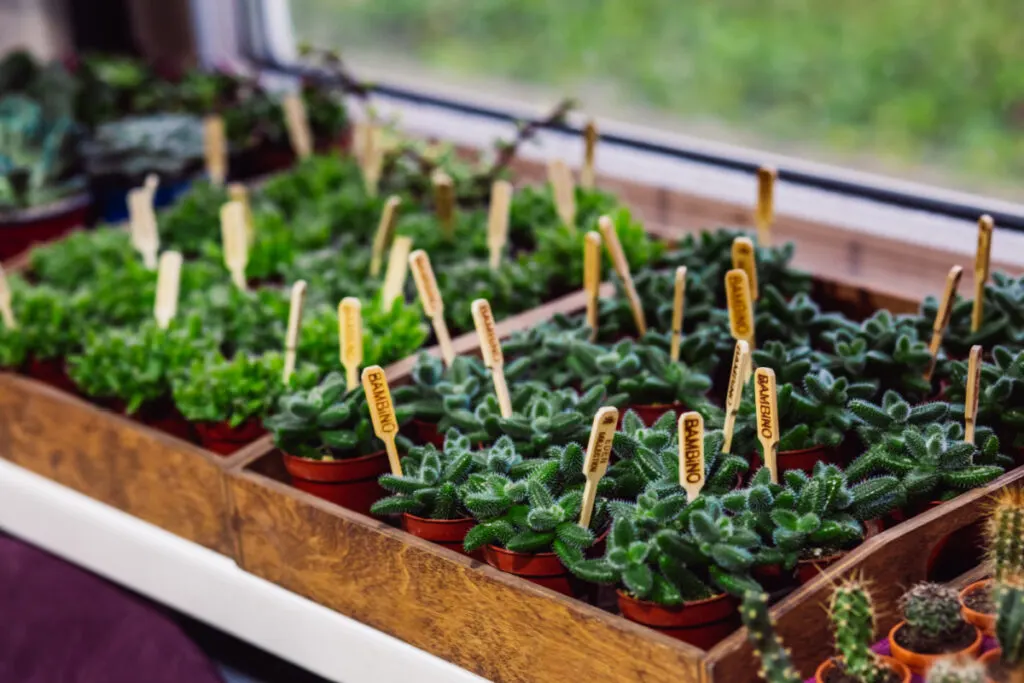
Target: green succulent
{"x": 795, "y": 321}
{"x": 1002, "y": 391}
{"x": 437, "y": 392}
{"x": 885, "y": 422}
{"x": 193, "y": 221}
{"x": 432, "y": 481}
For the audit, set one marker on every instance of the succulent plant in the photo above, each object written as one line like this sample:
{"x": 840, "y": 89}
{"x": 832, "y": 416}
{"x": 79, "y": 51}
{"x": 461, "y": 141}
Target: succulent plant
{"x": 957, "y": 670}
{"x": 853, "y": 621}
{"x": 79, "y": 257}
{"x": 886, "y": 422}
{"x": 514, "y": 287}
{"x": 1002, "y": 323}
{"x": 170, "y": 145}
{"x": 796, "y": 321}
{"x": 776, "y": 663}
{"x": 1002, "y": 392}
{"x": 432, "y": 481}
{"x": 194, "y": 220}
{"x": 1004, "y": 535}
{"x": 932, "y": 611}
{"x": 436, "y": 392}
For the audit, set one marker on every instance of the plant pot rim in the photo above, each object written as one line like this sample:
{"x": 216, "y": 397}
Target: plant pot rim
{"x": 972, "y": 650}
{"x": 335, "y": 461}
{"x": 32, "y": 214}
{"x": 972, "y": 588}
{"x": 801, "y": 451}
{"x": 513, "y": 553}
{"x": 428, "y": 520}
{"x": 901, "y": 669}
{"x": 687, "y": 603}
{"x": 824, "y": 558}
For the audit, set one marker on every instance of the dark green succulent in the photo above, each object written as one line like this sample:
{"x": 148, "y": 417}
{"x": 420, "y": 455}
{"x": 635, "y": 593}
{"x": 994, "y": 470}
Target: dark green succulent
{"x": 437, "y": 392}
{"x": 432, "y": 481}
{"x": 886, "y": 422}
{"x": 1001, "y": 395}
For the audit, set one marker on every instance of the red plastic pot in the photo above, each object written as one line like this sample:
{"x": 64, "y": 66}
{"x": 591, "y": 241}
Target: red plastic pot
{"x": 350, "y": 483}
{"x": 804, "y": 459}
{"x": 807, "y": 570}
{"x": 52, "y": 371}
{"x": 651, "y": 413}
{"x": 447, "y": 532}
{"x": 426, "y": 432}
{"x": 20, "y": 230}
{"x": 223, "y": 439}
{"x": 543, "y": 569}
{"x": 984, "y": 621}
{"x": 166, "y": 418}
{"x": 703, "y": 623}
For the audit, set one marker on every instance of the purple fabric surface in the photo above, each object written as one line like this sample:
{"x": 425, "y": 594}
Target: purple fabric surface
{"x": 60, "y": 624}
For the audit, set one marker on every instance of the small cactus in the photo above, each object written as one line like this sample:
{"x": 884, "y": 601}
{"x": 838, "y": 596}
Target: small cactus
{"x": 957, "y": 670}
{"x": 932, "y": 610}
{"x": 1009, "y": 597}
{"x": 776, "y": 664}
{"x": 1005, "y": 535}
{"x": 853, "y": 620}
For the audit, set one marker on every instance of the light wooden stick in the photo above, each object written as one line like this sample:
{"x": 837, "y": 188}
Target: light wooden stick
{"x": 236, "y": 244}
{"x": 678, "y": 300}
{"x": 433, "y": 304}
{"x": 152, "y": 184}
{"x": 373, "y": 160}
{"x": 942, "y": 317}
{"x": 599, "y": 451}
{"x": 765, "y": 213}
{"x": 590, "y": 137}
{"x": 238, "y": 192}
{"x": 737, "y": 380}
{"x": 142, "y": 224}
{"x": 168, "y": 283}
{"x": 768, "y": 419}
{"x": 350, "y": 338}
{"x": 6, "y": 308}
{"x": 741, "y": 309}
{"x": 490, "y": 349}
{"x": 611, "y": 240}
{"x": 592, "y": 278}
{"x": 497, "y": 220}
{"x": 385, "y": 233}
{"x": 564, "y": 192}
{"x": 398, "y": 268}
{"x": 981, "y": 266}
{"x": 745, "y": 258}
{"x": 444, "y": 203}
{"x": 382, "y": 413}
{"x": 691, "y": 454}
{"x": 215, "y": 149}
{"x": 291, "y": 340}
{"x": 973, "y": 393}
{"x": 298, "y": 125}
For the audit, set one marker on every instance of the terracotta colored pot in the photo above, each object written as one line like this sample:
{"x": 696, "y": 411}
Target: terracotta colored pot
{"x": 52, "y": 371}
{"x": 652, "y": 413}
{"x": 807, "y": 570}
{"x": 447, "y": 532}
{"x": 986, "y": 622}
{"x": 821, "y": 674}
{"x": 426, "y": 432}
{"x": 920, "y": 663}
{"x": 990, "y": 659}
{"x": 21, "y": 229}
{"x": 350, "y": 483}
{"x": 224, "y": 440}
{"x": 703, "y": 623}
{"x": 543, "y": 569}
{"x": 773, "y": 577}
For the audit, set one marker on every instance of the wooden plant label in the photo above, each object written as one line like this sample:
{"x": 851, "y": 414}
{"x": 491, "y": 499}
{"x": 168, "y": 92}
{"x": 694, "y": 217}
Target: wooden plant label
{"x": 490, "y": 349}
{"x": 942, "y": 316}
{"x": 981, "y": 266}
{"x": 737, "y": 380}
{"x": 385, "y": 234}
{"x": 745, "y": 258}
{"x": 444, "y": 203}
{"x": 6, "y": 308}
{"x": 678, "y": 299}
{"x": 142, "y": 224}
{"x": 291, "y": 340}
{"x": 599, "y": 451}
{"x": 398, "y": 268}
{"x": 235, "y": 241}
{"x": 372, "y": 159}
{"x": 382, "y": 413}
{"x": 433, "y": 305}
{"x": 564, "y": 192}
{"x": 691, "y": 454}
{"x": 611, "y": 240}
{"x": 215, "y": 149}
{"x": 590, "y": 137}
{"x": 497, "y": 220}
{"x": 764, "y": 215}
{"x": 298, "y": 125}
{"x": 238, "y": 192}
{"x": 741, "y": 309}
{"x": 592, "y": 278}
{"x": 350, "y": 338}
{"x": 168, "y": 283}
{"x": 152, "y": 184}
{"x": 973, "y": 393}
{"x": 767, "y": 398}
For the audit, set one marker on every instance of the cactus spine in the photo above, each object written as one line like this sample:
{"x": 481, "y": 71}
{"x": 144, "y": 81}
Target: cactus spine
{"x": 1009, "y": 597}
{"x": 1005, "y": 535}
{"x": 776, "y": 665}
{"x": 957, "y": 670}
{"x": 932, "y": 610}
{"x": 853, "y": 620}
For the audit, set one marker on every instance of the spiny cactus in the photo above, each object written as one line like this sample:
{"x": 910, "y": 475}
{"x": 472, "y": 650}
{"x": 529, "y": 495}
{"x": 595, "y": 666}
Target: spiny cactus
{"x": 853, "y": 620}
{"x": 776, "y": 663}
{"x": 1004, "y": 533}
{"x": 1009, "y": 598}
{"x": 957, "y": 670}
{"x": 932, "y": 610}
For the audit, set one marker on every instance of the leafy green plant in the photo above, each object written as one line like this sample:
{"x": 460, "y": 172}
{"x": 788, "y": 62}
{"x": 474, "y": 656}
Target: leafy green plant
{"x": 47, "y": 327}
{"x": 776, "y": 663}
{"x": 170, "y": 145}
{"x": 78, "y": 258}
{"x": 853, "y": 621}
{"x": 432, "y": 481}
{"x": 514, "y": 287}
{"x": 194, "y": 220}
{"x": 215, "y": 389}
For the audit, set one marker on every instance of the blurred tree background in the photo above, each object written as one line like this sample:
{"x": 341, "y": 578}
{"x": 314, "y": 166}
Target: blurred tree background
{"x": 931, "y": 88}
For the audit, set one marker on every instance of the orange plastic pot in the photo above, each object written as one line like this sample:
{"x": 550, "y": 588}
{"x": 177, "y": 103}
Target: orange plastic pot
{"x": 652, "y": 412}
{"x": 821, "y": 674}
{"x": 919, "y": 663}
{"x": 223, "y": 439}
{"x": 702, "y": 623}
{"x": 543, "y": 569}
{"x": 350, "y": 483}
{"x": 989, "y": 660}
{"x": 986, "y": 622}
{"x": 447, "y": 532}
